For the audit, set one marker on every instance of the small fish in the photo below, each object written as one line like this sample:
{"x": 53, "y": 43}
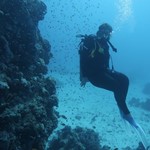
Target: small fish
{"x": 62, "y": 124}
{"x": 63, "y": 116}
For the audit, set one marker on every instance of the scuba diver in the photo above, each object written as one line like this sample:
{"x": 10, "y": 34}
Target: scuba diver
{"x": 94, "y": 68}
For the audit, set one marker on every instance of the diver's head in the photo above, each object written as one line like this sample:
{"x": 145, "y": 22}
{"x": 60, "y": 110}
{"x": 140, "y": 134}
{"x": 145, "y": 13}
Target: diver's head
{"x": 104, "y": 31}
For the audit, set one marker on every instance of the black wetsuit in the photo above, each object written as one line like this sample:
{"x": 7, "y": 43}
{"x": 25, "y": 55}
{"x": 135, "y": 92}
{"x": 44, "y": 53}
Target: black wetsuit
{"x": 94, "y": 64}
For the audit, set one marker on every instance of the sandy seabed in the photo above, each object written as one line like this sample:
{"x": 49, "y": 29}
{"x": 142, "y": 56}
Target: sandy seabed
{"x": 96, "y": 108}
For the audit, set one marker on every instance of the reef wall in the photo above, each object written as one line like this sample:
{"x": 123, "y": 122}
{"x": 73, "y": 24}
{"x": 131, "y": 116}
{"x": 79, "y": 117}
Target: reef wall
{"x": 27, "y": 97}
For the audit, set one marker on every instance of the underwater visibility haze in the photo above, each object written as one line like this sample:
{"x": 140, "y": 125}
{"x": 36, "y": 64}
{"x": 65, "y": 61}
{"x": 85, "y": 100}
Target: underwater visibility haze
{"x": 42, "y": 104}
{"x": 128, "y": 18}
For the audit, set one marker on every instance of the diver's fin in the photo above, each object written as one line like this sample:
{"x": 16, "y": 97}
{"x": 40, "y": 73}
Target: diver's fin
{"x": 130, "y": 120}
{"x": 142, "y": 135}
{"x": 137, "y": 128}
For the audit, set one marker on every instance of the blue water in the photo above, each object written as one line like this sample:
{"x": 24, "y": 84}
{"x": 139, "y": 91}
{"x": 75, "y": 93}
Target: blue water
{"x": 130, "y": 21}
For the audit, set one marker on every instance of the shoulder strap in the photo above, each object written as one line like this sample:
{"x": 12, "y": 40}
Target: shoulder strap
{"x": 87, "y": 42}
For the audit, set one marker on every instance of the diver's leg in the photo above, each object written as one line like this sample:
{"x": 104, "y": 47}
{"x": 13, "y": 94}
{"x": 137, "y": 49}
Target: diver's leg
{"x": 116, "y": 82}
{"x": 120, "y": 91}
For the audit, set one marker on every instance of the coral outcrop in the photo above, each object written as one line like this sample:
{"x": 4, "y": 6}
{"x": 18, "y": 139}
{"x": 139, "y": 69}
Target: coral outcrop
{"x": 76, "y": 139}
{"x": 27, "y": 97}
{"x": 81, "y": 139}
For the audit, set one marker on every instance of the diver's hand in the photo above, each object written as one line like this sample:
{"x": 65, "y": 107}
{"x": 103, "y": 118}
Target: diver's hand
{"x": 83, "y": 81}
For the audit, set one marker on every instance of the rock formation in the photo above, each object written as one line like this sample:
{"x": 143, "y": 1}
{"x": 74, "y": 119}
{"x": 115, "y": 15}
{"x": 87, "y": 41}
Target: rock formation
{"x": 27, "y": 97}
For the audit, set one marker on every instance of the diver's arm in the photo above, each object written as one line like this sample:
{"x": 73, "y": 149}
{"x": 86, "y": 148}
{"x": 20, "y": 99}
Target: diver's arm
{"x": 83, "y": 79}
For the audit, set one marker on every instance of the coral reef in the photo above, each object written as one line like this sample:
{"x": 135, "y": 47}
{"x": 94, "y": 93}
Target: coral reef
{"x": 27, "y": 97}
{"x": 76, "y": 139}
{"x": 80, "y": 139}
